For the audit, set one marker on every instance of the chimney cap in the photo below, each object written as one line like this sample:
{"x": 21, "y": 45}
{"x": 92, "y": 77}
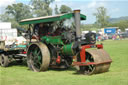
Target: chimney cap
{"x": 77, "y": 11}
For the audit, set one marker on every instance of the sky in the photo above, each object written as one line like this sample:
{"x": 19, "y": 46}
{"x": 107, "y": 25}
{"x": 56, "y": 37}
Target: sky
{"x": 115, "y": 8}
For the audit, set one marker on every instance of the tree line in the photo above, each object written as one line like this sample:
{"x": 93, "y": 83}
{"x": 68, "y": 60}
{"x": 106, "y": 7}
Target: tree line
{"x": 37, "y": 8}
{"x": 102, "y": 21}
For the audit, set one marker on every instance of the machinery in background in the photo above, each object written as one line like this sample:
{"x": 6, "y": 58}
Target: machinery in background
{"x": 12, "y": 47}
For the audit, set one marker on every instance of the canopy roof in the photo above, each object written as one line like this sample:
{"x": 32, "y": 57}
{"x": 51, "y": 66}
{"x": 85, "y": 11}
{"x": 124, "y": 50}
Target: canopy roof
{"x": 50, "y": 18}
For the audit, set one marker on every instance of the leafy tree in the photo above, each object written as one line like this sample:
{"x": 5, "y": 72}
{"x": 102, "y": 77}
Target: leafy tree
{"x": 101, "y": 17}
{"x": 18, "y": 11}
{"x": 88, "y": 27}
{"x": 56, "y": 10}
{"x": 41, "y": 7}
{"x": 14, "y": 13}
{"x": 5, "y": 17}
{"x": 65, "y": 9}
{"x": 121, "y": 24}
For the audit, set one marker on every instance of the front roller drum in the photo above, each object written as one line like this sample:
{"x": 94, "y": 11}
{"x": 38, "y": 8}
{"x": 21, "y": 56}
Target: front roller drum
{"x": 38, "y": 57}
{"x": 100, "y": 62}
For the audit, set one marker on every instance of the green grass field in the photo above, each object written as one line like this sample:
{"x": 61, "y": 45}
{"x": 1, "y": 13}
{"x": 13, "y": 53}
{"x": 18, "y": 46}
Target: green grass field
{"x": 117, "y": 75}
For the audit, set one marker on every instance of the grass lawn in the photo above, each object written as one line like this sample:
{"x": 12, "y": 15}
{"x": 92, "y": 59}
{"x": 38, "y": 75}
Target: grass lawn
{"x": 117, "y": 75}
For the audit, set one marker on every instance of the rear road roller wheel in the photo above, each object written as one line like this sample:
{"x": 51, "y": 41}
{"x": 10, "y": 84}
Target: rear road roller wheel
{"x": 4, "y": 61}
{"x": 38, "y": 57}
{"x": 96, "y": 56}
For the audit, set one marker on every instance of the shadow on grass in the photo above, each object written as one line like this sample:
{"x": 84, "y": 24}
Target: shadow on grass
{"x": 73, "y": 69}
{"x": 18, "y": 63}
{"x": 60, "y": 69}
{"x": 82, "y": 73}
{"x": 24, "y": 64}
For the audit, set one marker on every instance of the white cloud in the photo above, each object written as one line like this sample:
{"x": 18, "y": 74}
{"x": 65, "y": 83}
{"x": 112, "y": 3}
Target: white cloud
{"x": 116, "y": 10}
{"x": 57, "y": 0}
{"x": 4, "y": 4}
{"x": 92, "y": 4}
{"x": 95, "y": 4}
{"x": 101, "y": 4}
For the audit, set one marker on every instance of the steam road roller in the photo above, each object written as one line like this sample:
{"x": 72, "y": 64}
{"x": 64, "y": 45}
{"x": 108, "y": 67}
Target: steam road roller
{"x": 55, "y": 42}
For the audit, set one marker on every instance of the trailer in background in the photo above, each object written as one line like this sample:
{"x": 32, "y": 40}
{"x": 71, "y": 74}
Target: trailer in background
{"x": 12, "y": 47}
{"x": 126, "y": 30}
{"x": 5, "y": 25}
{"x": 109, "y": 30}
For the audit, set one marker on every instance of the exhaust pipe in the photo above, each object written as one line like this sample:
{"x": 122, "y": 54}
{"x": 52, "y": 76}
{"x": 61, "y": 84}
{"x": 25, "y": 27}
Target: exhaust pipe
{"x": 77, "y": 24}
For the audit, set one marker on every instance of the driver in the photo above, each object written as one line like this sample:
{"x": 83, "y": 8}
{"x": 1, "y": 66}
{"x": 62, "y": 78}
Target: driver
{"x": 43, "y": 29}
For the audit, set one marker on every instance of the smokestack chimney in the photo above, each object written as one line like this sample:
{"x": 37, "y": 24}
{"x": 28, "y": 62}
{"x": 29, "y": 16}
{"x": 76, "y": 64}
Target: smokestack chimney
{"x": 77, "y": 24}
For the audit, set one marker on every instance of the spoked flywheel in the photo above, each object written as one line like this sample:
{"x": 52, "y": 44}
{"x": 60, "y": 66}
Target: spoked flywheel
{"x": 38, "y": 57}
{"x": 99, "y": 57}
